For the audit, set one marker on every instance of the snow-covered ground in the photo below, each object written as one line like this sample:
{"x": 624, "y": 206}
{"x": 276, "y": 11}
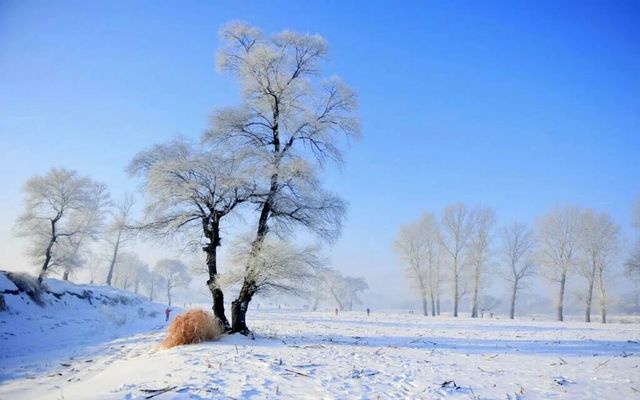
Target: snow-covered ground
{"x": 319, "y": 355}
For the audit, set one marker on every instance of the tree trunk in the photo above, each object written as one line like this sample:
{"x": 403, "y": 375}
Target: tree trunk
{"x": 151, "y": 291}
{"x": 47, "y": 253}
{"x": 113, "y": 258}
{"x": 169, "y": 293}
{"x": 455, "y": 295}
{"x": 592, "y": 277}
{"x": 512, "y": 309}
{"x": 603, "y": 302}
{"x": 433, "y": 306}
{"x": 239, "y": 308}
{"x": 65, "y": 275}
{"x": 476, "y": 283}
{"x": 240, "y": 305}
{"x": 217, "y": 295}
{"x": 425, "y": 308}
{"x": 563, "y": 281}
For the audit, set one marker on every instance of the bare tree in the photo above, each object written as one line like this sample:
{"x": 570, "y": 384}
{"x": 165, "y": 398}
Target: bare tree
{"x": 190, "y": 190}
{"x": 417, "y": 244}
{"x": 175, "y": 275}
{"x": 558, "y": 235}
{"x": 90, "y": 221}
{"x": 56, "y": 208}
{"x": 342, "y": 289}
{"x": 632, "y": 264}
{"x": 456, "y": 231}
{"x": 599, "y": 244}
{"x": 479, "y": 252}
{"x": 288, "y": 118}
{"x": 154, "y": 281}
{"x": 117, "y": 232}
{"x": 517, "y": 250}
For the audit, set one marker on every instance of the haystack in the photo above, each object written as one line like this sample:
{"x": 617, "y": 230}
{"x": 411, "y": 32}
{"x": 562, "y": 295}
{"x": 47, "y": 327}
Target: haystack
{"x": 193, "y": 326}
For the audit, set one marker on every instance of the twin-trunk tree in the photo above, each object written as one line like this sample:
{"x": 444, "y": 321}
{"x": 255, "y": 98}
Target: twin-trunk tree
{"x": 287, "y": 119}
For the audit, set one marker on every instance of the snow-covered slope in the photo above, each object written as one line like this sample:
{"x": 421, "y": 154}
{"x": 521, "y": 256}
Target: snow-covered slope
{"x": 38, "y": 327}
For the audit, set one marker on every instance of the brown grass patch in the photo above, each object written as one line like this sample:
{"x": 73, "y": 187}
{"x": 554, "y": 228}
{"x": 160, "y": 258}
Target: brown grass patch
{"x": 193, "y": 326}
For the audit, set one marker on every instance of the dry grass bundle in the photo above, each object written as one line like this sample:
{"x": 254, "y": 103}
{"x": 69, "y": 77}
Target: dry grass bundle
{"x": 194, "y": 326}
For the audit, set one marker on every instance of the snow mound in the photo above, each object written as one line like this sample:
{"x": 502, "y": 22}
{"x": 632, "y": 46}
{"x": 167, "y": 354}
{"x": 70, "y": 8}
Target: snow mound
{"x": 61, "y": 319}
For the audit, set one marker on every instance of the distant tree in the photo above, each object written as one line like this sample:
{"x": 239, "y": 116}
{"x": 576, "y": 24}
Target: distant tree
{"x": 154, "y": 281}
{"x": 417, "y": 244}
{"x": 190, "y": 190}
{"x": 517, "y": 250}
{"x": 457, "y": 227}
{"x": 558, "y": 238}
{"x": 487, "y": 303}
{"x": 288, "y": 118}
{"x": 175, "y": 275}
{"x": 632, "y": 264}
{"x": 479, "y": 252}
{"x": 75, "y": 249}
{"x": 599, "y": 245}
{"x": 117, "y": 232}
{"x": 57, "y": 206}
{"x": 131, "y": 271}
{"x": 354, "y": 286}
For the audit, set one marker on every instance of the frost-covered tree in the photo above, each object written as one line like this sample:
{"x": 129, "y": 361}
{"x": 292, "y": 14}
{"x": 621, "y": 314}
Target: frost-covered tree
{"x": 599, "y": 237}
{"x": 154, "y": 281}
{"x": 291, "y": 120}
{"x": 175, "y": 274}
{"x": 131, "y": 272}
{"x": 632, "y": 264}
{"x": 57, "y": 209}
{"x": 278, "y": 268}
{"x": 517, "y": 251}
{"x": 417, "y": 244}
{"x": 457, "y": 227}
{"x": 342, "y": 289}
{"x": 479, "y": 253}
{"x": 117, "y": 231}
{"x": 558, "y": 237}
{"x": 74, "y": 250}
{"x": 189, "y": 190}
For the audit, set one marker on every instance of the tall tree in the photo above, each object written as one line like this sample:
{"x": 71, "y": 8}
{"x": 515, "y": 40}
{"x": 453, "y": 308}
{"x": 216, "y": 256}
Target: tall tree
{"x": 558, "y": 235}
{"x": 599, "y": 244}
{"x": 456, "y": 231}
{"x": 417, "y": 245}
{"x": 479, "y": 252}
{"x": 91, "y": 223}
{"x": 118, "y": 232}
{"x": 56, "y": 207}
{"x": 632, "y": 264}
{"x": 192, "y": 189}
{"x": 175, "y": 275}
{"x": 289, "y": 117}
{"x": 517, "y": 250}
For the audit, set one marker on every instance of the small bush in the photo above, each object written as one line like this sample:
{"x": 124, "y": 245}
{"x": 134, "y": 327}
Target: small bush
{"x": 194, "y": 326}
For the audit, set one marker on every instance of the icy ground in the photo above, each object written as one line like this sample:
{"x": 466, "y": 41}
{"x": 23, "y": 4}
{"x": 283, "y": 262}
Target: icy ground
{"x": 320, "y": 355}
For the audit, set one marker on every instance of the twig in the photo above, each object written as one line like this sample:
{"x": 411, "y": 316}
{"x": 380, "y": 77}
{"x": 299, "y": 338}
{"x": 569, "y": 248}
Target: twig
{"x": 158, "y": 392}
{"x": 296, "y": 372}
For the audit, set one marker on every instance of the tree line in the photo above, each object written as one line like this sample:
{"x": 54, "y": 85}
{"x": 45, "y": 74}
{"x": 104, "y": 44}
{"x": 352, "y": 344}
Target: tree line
{"x": 462, "y": 248}
{"x": 261, "y": 158}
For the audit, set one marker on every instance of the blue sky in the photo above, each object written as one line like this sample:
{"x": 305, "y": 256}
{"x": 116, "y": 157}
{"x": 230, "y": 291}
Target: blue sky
{"x": 516, "y": 105}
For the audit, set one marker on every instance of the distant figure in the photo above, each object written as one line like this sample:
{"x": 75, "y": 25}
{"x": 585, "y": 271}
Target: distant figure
{"x": 368, "y": 311}
{"x": 336, "y": 311}
{"x": 166, "y": 313}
